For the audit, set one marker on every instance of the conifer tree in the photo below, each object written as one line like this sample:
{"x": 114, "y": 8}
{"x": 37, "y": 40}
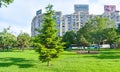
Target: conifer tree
{"x": 48, "y": 44}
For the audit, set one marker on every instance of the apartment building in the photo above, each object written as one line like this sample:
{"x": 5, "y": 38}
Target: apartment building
{"x": 111, "y": 13}
{"x": 76, "y": 20}
{"x": 37, "y": 22}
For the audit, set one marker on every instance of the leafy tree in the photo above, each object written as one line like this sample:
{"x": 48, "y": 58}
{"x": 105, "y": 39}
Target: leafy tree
{"x": 93, "y": 29}
{"x": 5, "y": 2}
{"x": 83, "y": 42}
{"x": 110, "y": 35}
{"x": 100, "y": 24}
{"x": 86, "y": 31}
{"x": 69, "y": 38}
{"x": 48, "y": 44}
{"x": 6, "y": 39}
{"x": 23, "y": 40}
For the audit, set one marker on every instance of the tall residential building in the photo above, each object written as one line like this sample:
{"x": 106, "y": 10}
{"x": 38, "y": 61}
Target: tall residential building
{"x": 76, "y": 20}
{"x": 37, "y": 22}
{"x": 58, "y": 16}
{"x": 111, "y": 13}
{"x": 65, "y": 24}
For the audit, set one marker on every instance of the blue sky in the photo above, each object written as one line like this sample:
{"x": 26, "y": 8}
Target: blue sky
{"x": 20, "y": 13}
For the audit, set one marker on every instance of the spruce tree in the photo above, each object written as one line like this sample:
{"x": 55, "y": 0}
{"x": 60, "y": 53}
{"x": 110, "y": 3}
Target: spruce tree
{"x": 48, "y": 44}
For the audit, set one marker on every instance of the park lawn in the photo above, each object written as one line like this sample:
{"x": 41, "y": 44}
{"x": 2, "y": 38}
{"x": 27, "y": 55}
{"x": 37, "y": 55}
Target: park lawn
{"x": 27, "y": 61}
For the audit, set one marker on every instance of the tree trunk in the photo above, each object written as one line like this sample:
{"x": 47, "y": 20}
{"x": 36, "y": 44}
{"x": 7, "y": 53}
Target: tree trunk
{"x": 48, "y": 63}
{"x": 88, "y": 51}
{"x": 3, "y": 48}
{"x": 7, "y": 49}
{"x": 22, "y": 48}
{"x": 110, "y": 46}
{"x": 99, "y": 46}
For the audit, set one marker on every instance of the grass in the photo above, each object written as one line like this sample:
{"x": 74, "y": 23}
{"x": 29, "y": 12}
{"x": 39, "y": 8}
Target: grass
{"x": 27, "y": 61}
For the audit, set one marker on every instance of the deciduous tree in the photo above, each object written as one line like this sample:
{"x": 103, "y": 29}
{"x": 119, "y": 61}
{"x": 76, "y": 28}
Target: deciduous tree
{"x": 6, "y": 39}
{"x": 110, "y": 35}
{"x": 23, "y": 40}
{"x": 69, "y": 38}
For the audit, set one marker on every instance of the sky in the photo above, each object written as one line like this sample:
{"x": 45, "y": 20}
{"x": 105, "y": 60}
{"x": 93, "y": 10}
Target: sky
{"x": 18, "y": 15}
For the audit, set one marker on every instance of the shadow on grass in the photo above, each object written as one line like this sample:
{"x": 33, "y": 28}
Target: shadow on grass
{"x": 20, "y": 62}
{"x": 106, "y": 55}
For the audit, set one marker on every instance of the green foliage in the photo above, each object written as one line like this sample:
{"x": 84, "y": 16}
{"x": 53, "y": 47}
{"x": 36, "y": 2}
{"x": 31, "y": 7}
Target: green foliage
{"x": 69, "y": 38}
{"x": 48, "y": 44}
{"x": 93, "y": 31}
{"x": 5, "y": 2}
{"x": 83, "y": 42}
{"x": 99, "y": 25}
{"x": 6, "y": 39}
{"x": 23, "y": 40}
{"x": 110, "y": 35}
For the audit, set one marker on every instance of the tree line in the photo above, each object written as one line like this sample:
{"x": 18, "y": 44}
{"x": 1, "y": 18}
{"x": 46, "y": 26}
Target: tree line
{"x": 9, "y": 40}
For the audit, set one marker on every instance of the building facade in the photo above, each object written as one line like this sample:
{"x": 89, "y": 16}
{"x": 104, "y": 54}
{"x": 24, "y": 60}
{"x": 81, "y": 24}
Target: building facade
{"x": 37, "y": 22}
{"x": 111, "y": 13}
{"x": 76, "y": 20}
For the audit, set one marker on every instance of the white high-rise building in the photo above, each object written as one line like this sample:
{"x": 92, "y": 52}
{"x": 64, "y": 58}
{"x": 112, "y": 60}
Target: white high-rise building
{"x": 37, "y": 22}
{"x": 76, "y": 20}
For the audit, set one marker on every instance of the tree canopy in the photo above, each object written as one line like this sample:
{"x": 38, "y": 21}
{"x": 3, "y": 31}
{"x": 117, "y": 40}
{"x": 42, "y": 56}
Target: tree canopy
{"x": 6, "y": 39}
{"x": 69, "y": 38}
{"x": 23, "y": 40}
{"x": 96, "y": 30}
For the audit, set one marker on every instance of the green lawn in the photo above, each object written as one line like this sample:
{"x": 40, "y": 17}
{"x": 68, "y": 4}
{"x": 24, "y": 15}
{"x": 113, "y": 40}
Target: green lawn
{"x": 27, "y": 61}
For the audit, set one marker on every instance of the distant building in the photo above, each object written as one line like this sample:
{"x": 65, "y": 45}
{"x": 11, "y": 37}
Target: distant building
{"x": 76, "y": 20}
{"x": 111, "y": 13}
{"x": 37, "y": 22}
{"x": 58, "y": 16}
{"x": 65, "y": 23}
